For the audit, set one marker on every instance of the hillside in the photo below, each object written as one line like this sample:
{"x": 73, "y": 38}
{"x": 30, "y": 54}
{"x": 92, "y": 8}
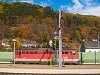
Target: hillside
{"x": 34, "y": 22}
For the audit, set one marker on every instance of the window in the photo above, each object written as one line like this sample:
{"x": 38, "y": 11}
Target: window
{"x": 40, "y": 52}
{"x": 71, "y": 53}
{"x": 63, "y": 53}
{"x": 35, "y": 52}
{"x": 31, "y": 52}
{"x": 52, "y": 52}
{"x": 23, "y": 52}
{"x": 66, "y": 52}
{"x": 27, "y": 52}
{"x": 16, "y": 52}
{"x": 45, "y": 52}
{"x": 49, "y": 52}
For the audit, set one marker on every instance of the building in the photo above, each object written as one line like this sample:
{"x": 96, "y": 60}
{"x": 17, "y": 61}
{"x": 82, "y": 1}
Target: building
{"x": 29, "y": 44}
{"x": 5, "y": 43}
{"x": 90, "y": 46}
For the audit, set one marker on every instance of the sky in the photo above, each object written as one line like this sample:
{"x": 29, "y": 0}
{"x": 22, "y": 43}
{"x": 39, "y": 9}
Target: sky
{"x": 84, "y": 7}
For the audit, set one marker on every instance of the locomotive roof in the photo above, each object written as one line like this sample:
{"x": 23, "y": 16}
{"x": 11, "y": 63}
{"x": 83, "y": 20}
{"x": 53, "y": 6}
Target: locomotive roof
{"x": 44, "y": 49}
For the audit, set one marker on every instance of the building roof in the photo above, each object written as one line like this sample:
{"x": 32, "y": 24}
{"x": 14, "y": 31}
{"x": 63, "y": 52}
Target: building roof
{"x": 91, "y": 44}
{"x": 29, "y": 42}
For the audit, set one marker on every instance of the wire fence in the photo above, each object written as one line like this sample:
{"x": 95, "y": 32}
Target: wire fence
{"x": 6, "y": 56}
{"x": 89, "y": 57}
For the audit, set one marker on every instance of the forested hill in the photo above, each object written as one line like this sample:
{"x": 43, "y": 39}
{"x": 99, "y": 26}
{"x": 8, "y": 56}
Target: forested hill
{"x": 30, "y": 21}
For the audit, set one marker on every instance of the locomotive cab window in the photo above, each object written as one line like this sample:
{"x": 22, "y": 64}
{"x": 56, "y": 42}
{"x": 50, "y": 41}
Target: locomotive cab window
{"x": 16, "y": 52}
{"x": 71, "y": 53}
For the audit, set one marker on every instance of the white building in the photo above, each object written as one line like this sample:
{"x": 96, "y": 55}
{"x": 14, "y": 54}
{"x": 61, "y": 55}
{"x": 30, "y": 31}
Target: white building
{"x": 90, "y": 46}
{"x": 29, "y": 44}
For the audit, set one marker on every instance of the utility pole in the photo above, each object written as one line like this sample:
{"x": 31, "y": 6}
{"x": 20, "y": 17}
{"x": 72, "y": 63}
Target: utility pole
{"x": 60, "y": 40}
{"x": 98, "y": 41}
{"x": 14, "y": 40}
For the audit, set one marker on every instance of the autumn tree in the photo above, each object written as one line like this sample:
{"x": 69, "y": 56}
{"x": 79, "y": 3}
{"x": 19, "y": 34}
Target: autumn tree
{"x": 1, "y": 9}
{"x": 25, "y": 31}
{"x": 28, "y": 20}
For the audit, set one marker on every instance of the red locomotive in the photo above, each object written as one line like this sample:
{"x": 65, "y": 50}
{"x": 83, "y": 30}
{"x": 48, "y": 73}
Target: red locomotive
{"x": 42, "y": 56}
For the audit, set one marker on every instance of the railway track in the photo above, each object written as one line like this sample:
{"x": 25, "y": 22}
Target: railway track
{"x": 3, "y": 73}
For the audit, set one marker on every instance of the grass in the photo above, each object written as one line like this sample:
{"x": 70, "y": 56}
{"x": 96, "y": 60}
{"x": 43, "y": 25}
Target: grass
{"x": 5, "y": 60}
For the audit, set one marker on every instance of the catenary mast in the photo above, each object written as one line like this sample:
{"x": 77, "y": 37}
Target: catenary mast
{"x": 60, "y": 40}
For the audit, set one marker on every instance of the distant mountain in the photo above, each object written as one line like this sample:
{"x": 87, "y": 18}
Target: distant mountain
{"x": 31, "y": 21}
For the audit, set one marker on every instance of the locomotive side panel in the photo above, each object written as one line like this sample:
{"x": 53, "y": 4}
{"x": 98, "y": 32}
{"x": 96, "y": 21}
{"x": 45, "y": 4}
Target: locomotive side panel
{"x": 70, "y": 56}
{"x": 33, "y": 56}
{"x": 37, "y": 56}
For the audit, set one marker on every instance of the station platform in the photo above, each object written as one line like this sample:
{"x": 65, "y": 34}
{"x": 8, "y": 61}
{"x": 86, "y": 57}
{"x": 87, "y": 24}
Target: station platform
{"x": 46, "y": 69}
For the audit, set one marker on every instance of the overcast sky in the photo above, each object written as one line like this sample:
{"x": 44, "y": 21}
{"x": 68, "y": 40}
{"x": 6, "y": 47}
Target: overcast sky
{"x": 86, "y": 7}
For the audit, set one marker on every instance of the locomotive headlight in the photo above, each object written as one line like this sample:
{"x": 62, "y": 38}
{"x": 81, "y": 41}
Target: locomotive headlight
{"x": 73, "y": 53}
